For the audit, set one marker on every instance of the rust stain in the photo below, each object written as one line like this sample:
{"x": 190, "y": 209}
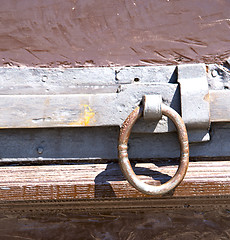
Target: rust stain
{"x": 87, "y": 117}
{"x": 125, "y": 163}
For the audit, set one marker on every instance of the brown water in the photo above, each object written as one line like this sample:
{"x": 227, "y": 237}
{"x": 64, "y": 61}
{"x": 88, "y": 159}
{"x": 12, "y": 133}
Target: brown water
{"x": 177, "y": 224}
{"x": 75, "y": 33}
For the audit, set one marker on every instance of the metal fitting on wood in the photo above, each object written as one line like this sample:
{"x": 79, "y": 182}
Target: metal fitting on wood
{"x": 152, "y": 107}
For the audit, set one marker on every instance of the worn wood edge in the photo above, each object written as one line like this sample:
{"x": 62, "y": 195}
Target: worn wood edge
{"x": 100, "y": 182}
{"x": 108, "y": 205}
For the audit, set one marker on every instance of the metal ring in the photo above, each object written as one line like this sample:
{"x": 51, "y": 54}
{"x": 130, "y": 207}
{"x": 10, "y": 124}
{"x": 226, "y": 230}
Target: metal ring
{"x": 125, "y": 163}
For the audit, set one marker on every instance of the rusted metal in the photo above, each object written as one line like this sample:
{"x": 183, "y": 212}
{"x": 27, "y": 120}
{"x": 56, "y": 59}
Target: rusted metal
{"x": 125, "y": 163}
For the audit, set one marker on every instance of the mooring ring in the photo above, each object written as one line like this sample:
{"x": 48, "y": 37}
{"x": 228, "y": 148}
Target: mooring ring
{"x": 125, "y": 163}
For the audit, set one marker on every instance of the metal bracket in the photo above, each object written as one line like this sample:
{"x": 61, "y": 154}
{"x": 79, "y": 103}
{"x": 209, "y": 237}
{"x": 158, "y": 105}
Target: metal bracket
{"x": 42, "y": 98}
{"x": 195, "y": 108}
{"x": 94, "y": 102}
{"x": 152, "y": 107}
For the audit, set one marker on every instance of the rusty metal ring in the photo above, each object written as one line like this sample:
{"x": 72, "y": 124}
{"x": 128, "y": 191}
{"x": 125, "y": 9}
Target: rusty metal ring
{"x": 125, "y": 163}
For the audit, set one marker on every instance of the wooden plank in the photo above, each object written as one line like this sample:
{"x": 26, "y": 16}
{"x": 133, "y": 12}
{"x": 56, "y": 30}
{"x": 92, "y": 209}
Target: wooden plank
{"x": 105, "y": 181}
{"x": 219, "y": 105}
{"x": 105, "y": 33}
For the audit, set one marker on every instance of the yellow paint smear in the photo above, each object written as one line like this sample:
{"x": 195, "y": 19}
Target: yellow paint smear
{"x": 86, "y": 118}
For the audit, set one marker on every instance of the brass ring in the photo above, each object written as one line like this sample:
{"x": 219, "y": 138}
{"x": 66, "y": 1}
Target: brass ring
{"x": 125, "y": 163}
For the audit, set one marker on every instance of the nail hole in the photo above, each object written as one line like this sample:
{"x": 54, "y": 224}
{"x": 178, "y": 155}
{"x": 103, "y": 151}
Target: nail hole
{"x": 136, "y": 79}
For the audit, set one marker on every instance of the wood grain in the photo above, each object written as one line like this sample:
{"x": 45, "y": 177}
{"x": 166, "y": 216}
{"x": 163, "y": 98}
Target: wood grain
{"x": 105, "y": 181}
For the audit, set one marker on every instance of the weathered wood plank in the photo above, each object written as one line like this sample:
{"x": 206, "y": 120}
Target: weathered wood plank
{"x": 105, "y": 181}
{"x": 93, "y": 34}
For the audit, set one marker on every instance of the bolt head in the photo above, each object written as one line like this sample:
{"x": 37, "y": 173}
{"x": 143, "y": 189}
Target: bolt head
{"x": 40, "y": 150}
